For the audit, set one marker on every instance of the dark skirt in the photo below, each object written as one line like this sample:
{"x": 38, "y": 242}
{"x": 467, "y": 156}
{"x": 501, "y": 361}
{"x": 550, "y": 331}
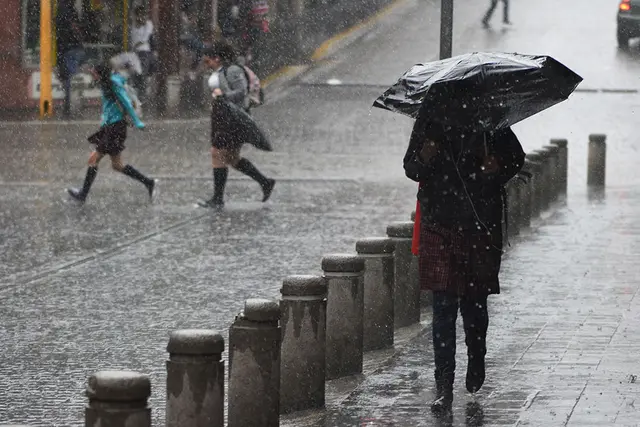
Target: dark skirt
{"x": 109, "y": 140}
{"x": 460, "y": 263}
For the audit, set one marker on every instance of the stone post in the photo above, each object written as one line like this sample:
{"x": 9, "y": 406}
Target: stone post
{"x": 345, "y": 304}
{"x": 545, "y": 173}
{"x": 195, "y": 379}
{"x": 254, "y": 365}
{"x": 378, "y": 292}
{"x": 555, "y": 172}
{"x": 303, "y": 364}
{"x": 118, "y": 398}
{"x": 513, "y": 208}
{"x": 533, "y": 165}
{"x": 524, "y": 185}
{"x": 563, "y": 160}
{"x": 597, "y": 160}
{"x": 406, "y": 281}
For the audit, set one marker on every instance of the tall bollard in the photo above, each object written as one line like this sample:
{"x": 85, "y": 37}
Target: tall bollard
{"x": 345, "y": 309}
{"x": 563, "y": 161}
{"x": 195, "y": 379}
{"x": 303, "y": 367}
{"x": 597, "y": 160}
{"x": 525, "y": 185}
{"x": 545, "y": 174}
{"x": 555, "y": 171}
{"x": 118, "y": 398}
{"x": 254, "y": 365}
{"x": 533, "y": 165}
{"x": 378, "y": 292}
{"x": 406, "y": 281}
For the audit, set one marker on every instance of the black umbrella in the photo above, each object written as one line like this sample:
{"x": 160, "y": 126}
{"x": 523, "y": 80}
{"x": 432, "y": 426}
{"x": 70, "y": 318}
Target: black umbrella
{"x": 228, "y": 118}
{"x": 482, "y": 91}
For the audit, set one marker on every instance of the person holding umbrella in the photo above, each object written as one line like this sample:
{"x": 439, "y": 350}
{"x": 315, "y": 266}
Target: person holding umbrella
{"x": 229, "y": 89}
{"x": 462, "y": 176}
{"x": 462, "y": 151}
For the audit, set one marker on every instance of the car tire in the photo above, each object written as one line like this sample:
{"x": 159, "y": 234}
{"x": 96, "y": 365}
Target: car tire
{"x": 623, "y": 40}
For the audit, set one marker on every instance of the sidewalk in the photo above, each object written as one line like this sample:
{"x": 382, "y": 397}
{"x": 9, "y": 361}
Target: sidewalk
{"x": 563, "y": 342}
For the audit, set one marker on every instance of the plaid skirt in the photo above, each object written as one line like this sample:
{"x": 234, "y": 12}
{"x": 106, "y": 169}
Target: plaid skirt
{"x": 109, "y": 140}
{"x": 459, "y": 262}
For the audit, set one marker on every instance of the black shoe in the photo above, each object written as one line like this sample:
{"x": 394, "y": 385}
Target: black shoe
{"x": 76, "y": 194}
{"x": 211, "y": 203}
{"x": 485, "y": 23}
{"x": 441, "y": 405}
{"x": 506, "y": 22}
{"x": 267, "y": 189}
{"x": 475, "y": 373}
{"x": 150, "y": 187}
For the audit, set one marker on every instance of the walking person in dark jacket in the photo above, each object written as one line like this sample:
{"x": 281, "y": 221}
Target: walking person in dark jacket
{"x": 69, "y": 49}
{"x": 109, "y": 140}
{"x": 492, "y": 8}
{"x": 462, "y": 176}
{"x": 228, "y": 84}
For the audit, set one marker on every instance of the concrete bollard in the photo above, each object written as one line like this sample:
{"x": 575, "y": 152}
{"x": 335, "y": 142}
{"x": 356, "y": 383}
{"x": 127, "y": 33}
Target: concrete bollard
{"x": 118, "y": 398}
{"x": 345, "y": 310}
{"x": 513, "y": 221}
{"x": 413, "y": 216}
{"x": 523, "y": 201}
{"x": 555, "y": 172}
{"x": 533, "y": 165}
{"x": 378, "y": 292}
{"x": 563, "y": 162}
{"x": 195, "y": 379}
{"x": 597, "y": 160}
{"x": 406, "y": 276}
{"x": 545, "y": 189}
{"x": 254, "y": 365}
{"x": 303, "y": 366}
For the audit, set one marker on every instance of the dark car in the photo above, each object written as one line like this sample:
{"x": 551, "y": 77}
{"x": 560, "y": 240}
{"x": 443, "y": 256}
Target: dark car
{"x": 628, "y": 21}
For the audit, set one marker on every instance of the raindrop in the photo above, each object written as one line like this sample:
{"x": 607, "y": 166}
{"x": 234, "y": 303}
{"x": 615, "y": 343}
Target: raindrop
{"x": 442, "y": 344}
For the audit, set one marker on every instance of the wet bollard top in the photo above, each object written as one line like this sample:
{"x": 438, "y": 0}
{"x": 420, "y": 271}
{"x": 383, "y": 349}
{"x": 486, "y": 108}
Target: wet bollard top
{"x": 303, "y": 322}
{"x": 377, "y": 253}
{"x": 345, "y": 305}
{"x": 254, "y": 365}
{"x": 118, "y": 398}
{"x": 406, "y": 281}
{"x": 195, "y": 379}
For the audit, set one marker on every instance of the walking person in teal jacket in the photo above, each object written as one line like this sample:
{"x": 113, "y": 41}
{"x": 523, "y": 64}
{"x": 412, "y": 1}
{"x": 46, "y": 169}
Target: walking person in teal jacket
{"x": 109, "y": 140}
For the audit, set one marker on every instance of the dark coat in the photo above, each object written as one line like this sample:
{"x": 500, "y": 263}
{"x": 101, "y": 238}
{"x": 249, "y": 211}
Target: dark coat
{"x": 461, "y": 207}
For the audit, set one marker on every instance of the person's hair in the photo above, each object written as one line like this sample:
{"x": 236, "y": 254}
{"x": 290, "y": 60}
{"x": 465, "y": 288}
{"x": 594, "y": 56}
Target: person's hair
{"x": 222, "y": 50}
{"x": 106, "y": 85}
{"x": 139, "y": 10}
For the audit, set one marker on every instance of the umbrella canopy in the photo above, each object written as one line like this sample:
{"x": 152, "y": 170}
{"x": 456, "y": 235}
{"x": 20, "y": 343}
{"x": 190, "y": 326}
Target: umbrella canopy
{"x": 482, "y": 91}
{"x": 231, "y": 119}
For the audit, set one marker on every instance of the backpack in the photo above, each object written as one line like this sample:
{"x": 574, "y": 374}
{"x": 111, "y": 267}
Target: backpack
{"x": 254, "y": 87}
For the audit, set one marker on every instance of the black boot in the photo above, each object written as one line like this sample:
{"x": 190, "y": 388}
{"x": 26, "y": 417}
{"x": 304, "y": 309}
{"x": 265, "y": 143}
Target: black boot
{"x": 444, "y": 393}
{"x": 247, "y": 168}
{"x": 81, "y": 195}
{"x": 219, "y": 183}
{"x": 132, "y": 172}
{"x": 475, "y": 371}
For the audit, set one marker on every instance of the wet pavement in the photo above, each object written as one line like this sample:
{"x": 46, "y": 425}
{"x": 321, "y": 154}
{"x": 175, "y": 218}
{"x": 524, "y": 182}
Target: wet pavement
{"x": 100, "y": 286}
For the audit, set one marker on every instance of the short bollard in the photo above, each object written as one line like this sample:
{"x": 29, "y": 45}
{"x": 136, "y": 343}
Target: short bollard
{"x": 303, "y": 318}
{"x": 254, "y": 365}
{"x": 118, "y": 398}
{"x": 597, "y": 160}
{"x": 513, "y": 222}
{"x": 378, "y": 292}
{"x": 545, "y": 188}
{"x": 524, "y": 184}
{"x": 406, "y": 281}
{"x": 533, "y": 165}
{"x": 563, "y": 162}
{"x": 413, "y": 216}
{"x": 345, "y": 308}
{"x": 195, "y": 379}
{"x": 555, "y": 172}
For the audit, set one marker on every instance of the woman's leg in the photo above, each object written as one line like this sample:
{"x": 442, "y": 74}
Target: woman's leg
{"x": 131, "y": 172}
{"x": 475, "y": 317}
{"x": 92, "y": 171}
{"x": 220, "y": 174}
{"x": 445, "y": 312}
{"x": 246, "y": 167}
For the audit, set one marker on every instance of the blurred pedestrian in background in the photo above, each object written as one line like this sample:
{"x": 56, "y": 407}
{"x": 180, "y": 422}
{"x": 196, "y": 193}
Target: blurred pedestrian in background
{"x": 492, "y": 8}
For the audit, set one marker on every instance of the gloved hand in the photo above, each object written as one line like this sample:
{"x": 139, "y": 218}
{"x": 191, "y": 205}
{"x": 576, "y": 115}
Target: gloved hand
{"x": 139, "y": 125}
